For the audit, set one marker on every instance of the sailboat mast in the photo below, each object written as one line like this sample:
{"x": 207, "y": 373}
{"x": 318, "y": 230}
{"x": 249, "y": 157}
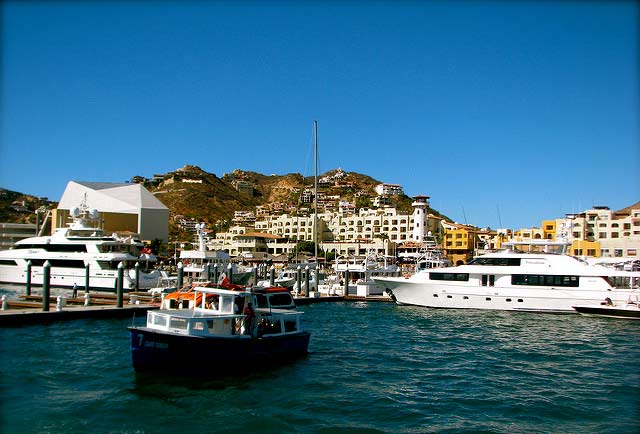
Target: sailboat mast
{"x": 315, "y": 192}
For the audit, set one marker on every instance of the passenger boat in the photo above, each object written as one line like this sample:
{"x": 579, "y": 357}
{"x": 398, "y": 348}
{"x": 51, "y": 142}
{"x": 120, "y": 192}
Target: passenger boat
{"x": 628, "y": 310}
{"x": 220, "y": 328}
{"x": 514, "y": 280}
{"x": 70, "y": 250}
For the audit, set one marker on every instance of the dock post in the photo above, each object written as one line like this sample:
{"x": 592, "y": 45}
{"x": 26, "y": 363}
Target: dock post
{"x": 272, "y": 276}
{"x": 346, "y": 282}
{"x": 59, "y": 303}
{"x": 87, "y": 299}
{"x": 230, "y": 273}
{"x": 215, "y": 273}
{"x": 180, "y": 281}
{"x": 137, "y": 271}
{"x": 207, "y": 272}
{"x": 46, "y": 278}
{"x": 28, "y": 288}
{"x": 86, "y": 279}
{"x": 299, "y": 279}
{"x": 5, "y": 305}
{"x": 306, "y": 281}
{"x": 119, "y": 283}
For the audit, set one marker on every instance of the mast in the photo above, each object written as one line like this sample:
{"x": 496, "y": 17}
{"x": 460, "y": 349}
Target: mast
{"x": 315, "y": 192}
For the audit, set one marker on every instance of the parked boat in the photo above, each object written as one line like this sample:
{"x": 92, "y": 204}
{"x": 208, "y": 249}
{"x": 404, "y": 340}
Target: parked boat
{"x": 196, "y": 261}
{"x": 514, "y": 280}
{"x": 224, "y": 329}
{"x": 362, "y": 274}
{"x": 628, "y": 310}
{"x": 71, "y": 249}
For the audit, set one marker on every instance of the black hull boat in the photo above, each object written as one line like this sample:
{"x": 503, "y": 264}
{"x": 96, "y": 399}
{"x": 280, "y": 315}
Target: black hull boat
{"x": 153, "y": 351}
{"x": 627, "y": 312}
{"x": 221, "y": 330}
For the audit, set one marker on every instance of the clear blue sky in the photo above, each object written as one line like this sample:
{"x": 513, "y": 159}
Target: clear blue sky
{"x": 529, "y": 108}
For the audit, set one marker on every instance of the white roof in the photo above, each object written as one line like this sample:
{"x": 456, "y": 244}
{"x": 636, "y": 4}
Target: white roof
{"x": 111, "y": 197}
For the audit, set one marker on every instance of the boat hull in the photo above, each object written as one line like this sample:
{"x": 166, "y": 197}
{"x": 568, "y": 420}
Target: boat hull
{"x": 104, "y": 280}
{"x": 152, "y": 350}
{"x": 628, "y": 312}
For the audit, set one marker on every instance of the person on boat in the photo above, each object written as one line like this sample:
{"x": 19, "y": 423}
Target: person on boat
{"x": 607, "y": 302}
{"x": 249, "y": 318}
{"x": 75, "y": 290}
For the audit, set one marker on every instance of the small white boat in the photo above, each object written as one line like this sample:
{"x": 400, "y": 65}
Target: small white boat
{"x": 363, "y": 274}
{"x": 218, "y": 331}
{"x": 196, "y": 261}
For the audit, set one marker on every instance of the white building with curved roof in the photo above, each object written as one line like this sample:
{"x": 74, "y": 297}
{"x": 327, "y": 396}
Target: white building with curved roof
{"x": 123, "y": 207}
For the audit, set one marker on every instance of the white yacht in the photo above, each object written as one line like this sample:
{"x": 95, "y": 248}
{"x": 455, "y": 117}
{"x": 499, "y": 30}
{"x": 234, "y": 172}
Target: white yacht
{"x": 513, "y": 280}
{"x": 195, "y": 261}
{"x": 70, "y": 250}
{"x": 362, "y": 275}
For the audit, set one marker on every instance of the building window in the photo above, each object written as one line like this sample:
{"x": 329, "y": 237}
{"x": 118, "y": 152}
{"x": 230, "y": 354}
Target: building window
{"x": 602, "y": 235}
{"x": 614, "y": 234}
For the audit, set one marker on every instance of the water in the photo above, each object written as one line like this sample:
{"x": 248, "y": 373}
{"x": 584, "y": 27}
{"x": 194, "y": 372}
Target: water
{"x": 372, "y": 367}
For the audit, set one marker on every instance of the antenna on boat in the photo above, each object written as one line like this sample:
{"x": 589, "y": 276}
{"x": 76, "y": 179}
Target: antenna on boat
{"x": 315, "y": 194}
{"x": 499, "y": 218}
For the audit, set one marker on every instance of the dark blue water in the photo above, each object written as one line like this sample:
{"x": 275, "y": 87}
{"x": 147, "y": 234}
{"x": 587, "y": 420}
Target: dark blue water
{"x": 373, "y": 367}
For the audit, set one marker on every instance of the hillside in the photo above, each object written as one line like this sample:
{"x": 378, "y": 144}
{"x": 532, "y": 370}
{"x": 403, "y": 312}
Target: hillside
{"x": 193, "y": 193}
{"x": 19, "y": 207}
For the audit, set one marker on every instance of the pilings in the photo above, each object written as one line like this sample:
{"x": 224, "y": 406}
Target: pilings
{"x": 119, "y": 284}
{"x": 28, "y": 288}
{"x": 86, "y": 279}
{"x": 180, "y": 280}
{"x": 46, "y": 279}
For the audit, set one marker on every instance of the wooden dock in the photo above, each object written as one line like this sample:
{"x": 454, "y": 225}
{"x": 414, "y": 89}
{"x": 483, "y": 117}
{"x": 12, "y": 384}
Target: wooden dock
{"x": 29, "y": 316}
{"x": 27, "y": 310}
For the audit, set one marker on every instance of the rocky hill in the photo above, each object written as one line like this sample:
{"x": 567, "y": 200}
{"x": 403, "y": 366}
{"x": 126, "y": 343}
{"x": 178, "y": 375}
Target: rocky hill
{"x": 192, "y": 193}
{"x": 19, "y": 207}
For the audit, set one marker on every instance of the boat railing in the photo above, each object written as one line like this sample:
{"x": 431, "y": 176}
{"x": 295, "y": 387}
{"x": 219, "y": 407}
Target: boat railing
{"x": 265, "y": 322}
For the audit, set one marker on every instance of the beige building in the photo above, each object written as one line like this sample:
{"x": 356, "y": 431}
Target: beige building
{"x": 123, "y": 208}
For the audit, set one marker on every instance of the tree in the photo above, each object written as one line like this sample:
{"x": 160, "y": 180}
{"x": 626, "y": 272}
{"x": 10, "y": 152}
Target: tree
{"x": 307, "y": 247}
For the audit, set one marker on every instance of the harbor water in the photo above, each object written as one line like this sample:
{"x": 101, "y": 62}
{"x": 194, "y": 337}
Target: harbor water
{"x": 372, "y": 367}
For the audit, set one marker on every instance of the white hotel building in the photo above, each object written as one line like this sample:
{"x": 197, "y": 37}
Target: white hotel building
{"x": 358, "y": 233}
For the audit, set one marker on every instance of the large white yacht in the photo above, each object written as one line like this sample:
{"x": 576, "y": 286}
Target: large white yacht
{"x": 70, "y": 250}
{"x": 514, "y": 280}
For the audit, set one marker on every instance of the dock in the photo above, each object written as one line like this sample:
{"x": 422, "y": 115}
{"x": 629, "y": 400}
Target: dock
{"x": 27, "y": 310}
{"x": 30, "y": 316}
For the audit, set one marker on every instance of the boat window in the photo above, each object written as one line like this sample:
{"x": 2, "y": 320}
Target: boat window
{"x": 545, "y": 280}
{"x": 501, "y": 262}
{"x": 460, "y": 277}
{"x": 283, "y": 299}
{"x": 178, "y": 323}
{"x": 262, "y": 300}
{"x": 226, "y": 304}
{"x": 67, "y": 263}
{"x": 290, "y": 325}
{"x": 198, "y": 326}
{"x": 8, "y": 262}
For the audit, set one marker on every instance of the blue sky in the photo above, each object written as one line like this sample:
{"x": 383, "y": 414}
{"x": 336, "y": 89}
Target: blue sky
{"x": 505, "y": 113}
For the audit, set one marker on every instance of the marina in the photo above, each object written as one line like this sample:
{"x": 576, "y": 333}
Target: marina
{"x": 372, "y": 367}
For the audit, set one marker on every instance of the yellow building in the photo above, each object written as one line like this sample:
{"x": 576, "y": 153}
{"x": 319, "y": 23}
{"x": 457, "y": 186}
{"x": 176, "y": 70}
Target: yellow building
{"x": 459, "y": 242}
